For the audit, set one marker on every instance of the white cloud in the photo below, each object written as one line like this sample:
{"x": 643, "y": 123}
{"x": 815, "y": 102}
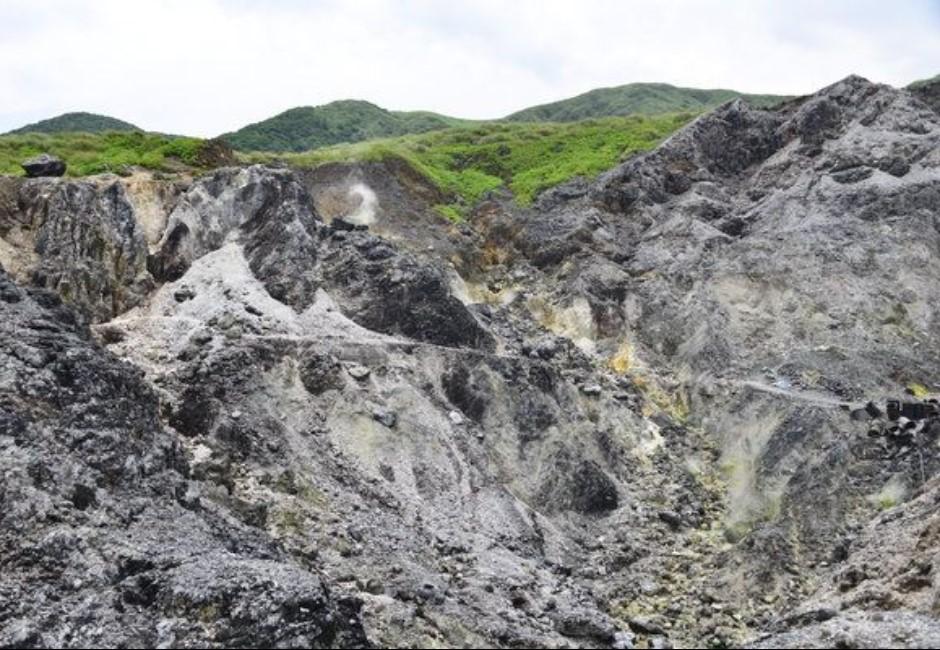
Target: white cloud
{"x": 208, "y": 66}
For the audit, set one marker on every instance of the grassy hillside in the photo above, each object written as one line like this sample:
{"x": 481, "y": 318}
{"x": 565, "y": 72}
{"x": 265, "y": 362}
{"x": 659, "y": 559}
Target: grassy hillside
{"x": 350, "y": 121}
{"x": 466, "y": 162}
{"x": 920, "y": 83}
{"x": 310, "y": 127}
{"x": 77, "y": 123}
{"x": 636, "y": 99}
{"x": 928, "y": 91}
{"x": 87, "y": 153}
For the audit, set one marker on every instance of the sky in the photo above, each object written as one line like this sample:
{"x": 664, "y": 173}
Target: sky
{"x": 205, "y": 67}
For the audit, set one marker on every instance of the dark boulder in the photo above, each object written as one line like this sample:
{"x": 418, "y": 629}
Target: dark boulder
{"x": 391, "y": 291}
{"x": 320, "y": 373}
{"x": 578, "y": 485}
{"x": 44, "y": 165}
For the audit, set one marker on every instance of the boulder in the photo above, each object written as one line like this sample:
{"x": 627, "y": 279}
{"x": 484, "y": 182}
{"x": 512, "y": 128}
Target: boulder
{"x": 44, "y": 165}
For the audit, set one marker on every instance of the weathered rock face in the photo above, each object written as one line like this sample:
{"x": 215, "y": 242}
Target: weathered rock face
{"x": 428, "y": 502}
{"x": 79, "y": 239}
{"x": 44, "y": 165}
{"x": 392, "y": 292}
{"x": 882, "y": 590}
{"x": 216, "y": 207}
{"x": 104, "y": 537}
{"x": 781, "y": 263}
{"x": 614, "y": 418}
{"x": 293, "y": 254}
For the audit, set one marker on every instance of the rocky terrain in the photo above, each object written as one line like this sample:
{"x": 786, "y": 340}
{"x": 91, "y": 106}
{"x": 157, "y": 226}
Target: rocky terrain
{"x": 274, "y": 407}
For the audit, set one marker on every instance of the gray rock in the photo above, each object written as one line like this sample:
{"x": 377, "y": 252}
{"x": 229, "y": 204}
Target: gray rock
{"x": 624, "y": 640}
{"x": 86, "y": 245}
{"x": 585, "y": 624}
{"x": 732, "y": 289}
{"x": 183, "y": 294}
{"x": 157, "y": 563}
{"x": 321, "y": 372}
{"x": 44, "y": 165}
{"x": 674, "y": 519}
{"x": 358, "y": 372}
{"x": 660, "y": 643}
{"x": 386, "y": 417}
{"x": 646, "y": 625}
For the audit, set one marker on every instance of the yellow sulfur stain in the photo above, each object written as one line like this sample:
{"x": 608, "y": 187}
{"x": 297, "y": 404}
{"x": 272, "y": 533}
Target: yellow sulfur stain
{"x": 622, "y": 360}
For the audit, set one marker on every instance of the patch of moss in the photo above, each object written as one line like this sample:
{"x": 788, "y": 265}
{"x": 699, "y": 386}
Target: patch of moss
{"x": 891, "y": 494}
{"x": 886, "y": 502}
{"x": 290, "y": 521}
{"x": 766, "y": 511}
{"x": 311, "y": 495}
{"x": 449, "y": 212}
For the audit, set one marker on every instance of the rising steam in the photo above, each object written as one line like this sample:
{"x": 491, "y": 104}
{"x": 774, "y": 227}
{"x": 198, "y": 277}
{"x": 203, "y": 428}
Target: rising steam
{"x": 364, "y": 215}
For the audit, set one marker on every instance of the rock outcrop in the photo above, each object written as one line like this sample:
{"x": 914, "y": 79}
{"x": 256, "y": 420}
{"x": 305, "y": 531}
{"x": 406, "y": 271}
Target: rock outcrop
{"x": 782, "y": 263}
{"x": 620, "y": 416}
{"x": 79, "y": 239}
{"x": 105, "y": 539}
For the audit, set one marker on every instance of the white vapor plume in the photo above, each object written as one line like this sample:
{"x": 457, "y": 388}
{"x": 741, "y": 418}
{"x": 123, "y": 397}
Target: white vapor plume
{"x": 364, "y": 215}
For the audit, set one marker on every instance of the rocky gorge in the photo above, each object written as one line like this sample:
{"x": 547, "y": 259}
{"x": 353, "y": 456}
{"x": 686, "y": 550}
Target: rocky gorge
{"x": 297, "y": 408}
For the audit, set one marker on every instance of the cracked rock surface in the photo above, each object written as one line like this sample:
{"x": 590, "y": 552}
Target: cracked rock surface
{"x": 288, "y": 408}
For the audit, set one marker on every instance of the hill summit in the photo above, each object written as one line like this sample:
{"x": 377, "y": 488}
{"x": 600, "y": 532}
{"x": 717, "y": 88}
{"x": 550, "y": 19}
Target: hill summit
{"x": 637, "y": 98}
{"x": 78, "y": 122}
{"x": 348, "y": 120}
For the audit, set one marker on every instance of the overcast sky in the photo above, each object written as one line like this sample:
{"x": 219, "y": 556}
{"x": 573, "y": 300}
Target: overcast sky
{"x": 203, "y": 67}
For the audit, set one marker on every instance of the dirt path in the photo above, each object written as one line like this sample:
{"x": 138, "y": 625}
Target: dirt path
{"x": 819, "y": 399}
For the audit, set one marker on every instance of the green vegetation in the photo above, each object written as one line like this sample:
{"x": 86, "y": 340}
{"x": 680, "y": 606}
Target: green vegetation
{"x": 636, "y": 99}
{"x": 87, "y": 153}
{"x": 76, "y": 123}
{"x": 464, "y": 162}
{"x": 920, "y": 83}
{"x": 351, "y": 121}
{"x": 928, "y": 91}
{"x": 449, "y": 212}
{"x": 311, "y": 127}
{"x": 467, "y": 162}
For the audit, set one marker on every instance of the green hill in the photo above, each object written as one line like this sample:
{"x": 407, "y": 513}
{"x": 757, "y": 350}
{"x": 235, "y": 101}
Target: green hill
{"x": 928, "y": 91}
{"x": 636, "y": 99}
{"x": 350, "y": 121}
{"x": 345, "y": 121}
{"x": 920, "y": 83}
{"x": 467, "y": 162}
{"x": 76, "y": 123}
